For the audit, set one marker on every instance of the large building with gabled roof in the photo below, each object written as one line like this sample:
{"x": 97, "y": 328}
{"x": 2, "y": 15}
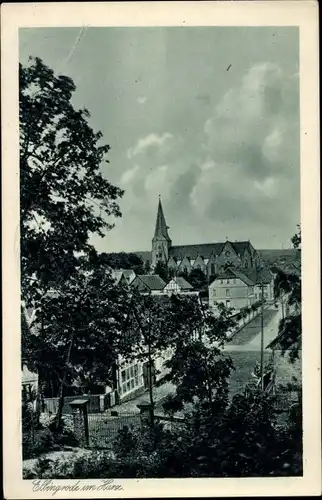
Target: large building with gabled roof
{"x": 211, "y": 258}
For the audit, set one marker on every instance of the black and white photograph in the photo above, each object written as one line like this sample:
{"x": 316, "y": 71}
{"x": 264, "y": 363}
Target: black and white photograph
{"x": 160, "y": 252}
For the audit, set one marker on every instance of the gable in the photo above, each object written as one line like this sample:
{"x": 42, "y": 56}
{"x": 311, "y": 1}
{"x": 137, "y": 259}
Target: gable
{"x": 228, "y": 251}
{"x": 199, "y": 262}
{"x": 185, "y": 263}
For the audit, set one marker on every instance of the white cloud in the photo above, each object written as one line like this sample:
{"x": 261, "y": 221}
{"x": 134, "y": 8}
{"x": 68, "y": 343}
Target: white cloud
{"x": 151, "y": 140}
{"x": 128, "y": 175}
{"x": 250, "y": 145}
{"x": 142, "y": 100}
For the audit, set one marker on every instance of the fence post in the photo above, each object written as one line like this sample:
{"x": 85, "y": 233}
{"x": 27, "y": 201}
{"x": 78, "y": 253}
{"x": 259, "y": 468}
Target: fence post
{"x": 146, "y": 413}
{"x": 80, "y": 418}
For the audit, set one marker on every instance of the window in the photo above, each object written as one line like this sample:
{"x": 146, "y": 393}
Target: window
{"x": 130, "y": 379}
{"x": 227, "y": 292}
{"x": 227, "y": 281}
{"x": 221, "y": 281}
{"x": 228, "y": 303}
{"x": 214, "y": 292}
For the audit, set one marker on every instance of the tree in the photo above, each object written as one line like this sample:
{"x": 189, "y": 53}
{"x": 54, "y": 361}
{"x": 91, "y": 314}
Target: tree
{"x": 64, "y": 197}
{"x": 198, "y": 368}
{"x": 162, "y": 270}
{"x": 64, "y": 200}
{"x": 297, "y": 239}
{"x": 198, "y": 279}
{"x": 122, "y": 260}
{"x": 79, "y": 330}
{"x": 156, "y": 323}
{"x": 287, "y": 287}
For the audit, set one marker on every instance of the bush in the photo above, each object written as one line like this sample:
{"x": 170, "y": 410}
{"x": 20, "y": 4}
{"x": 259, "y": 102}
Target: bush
{"x": 45, "y": 437}
{"x": 40, "y": 441}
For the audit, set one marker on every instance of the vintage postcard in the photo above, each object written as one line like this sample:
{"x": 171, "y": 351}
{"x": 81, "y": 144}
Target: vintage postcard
{"x": 160, "y": 249}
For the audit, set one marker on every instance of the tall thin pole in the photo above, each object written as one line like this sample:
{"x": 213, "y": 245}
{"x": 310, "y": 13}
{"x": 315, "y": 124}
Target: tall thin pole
{"x": 262, "y": 338}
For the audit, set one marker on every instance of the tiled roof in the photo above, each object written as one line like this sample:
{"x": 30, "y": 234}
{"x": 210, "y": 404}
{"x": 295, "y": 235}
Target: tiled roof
{"x": 152, "y": 281}
{"x": 183, "y": 283}
{"x": 240, "y": 246}
{"x": 235, "y": 273}
{"x": 117, "y": 275}
{"x": 259, "y": 276}
{"x": 192, "y": 251}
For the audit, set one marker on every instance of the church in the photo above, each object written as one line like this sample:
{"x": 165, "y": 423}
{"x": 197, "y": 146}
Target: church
{"x": 211, "y": 258}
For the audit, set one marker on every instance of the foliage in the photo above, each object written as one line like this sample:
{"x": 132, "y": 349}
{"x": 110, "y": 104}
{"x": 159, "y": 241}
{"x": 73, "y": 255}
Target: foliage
{"x": 43, "y": 436}
{"x": 155, "y": 323}
{"x": 199, "y": 372}
{"x": 64, "y": 201}
{"x": 287, "y": 288}
{"x": 64, "y": 197}
{"x": 198, "y": 367}
{"x": 198, "y": 279}
{"x": 122, "y": 260}
{"x": 162, "y": 270}
{"x": 297, "y": 238}
{"x": 77, "y": 340}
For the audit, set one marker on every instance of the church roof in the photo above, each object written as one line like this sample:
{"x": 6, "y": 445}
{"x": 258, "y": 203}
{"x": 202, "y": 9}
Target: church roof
{"x": 192, "y": 251}
{"x": 161, "y": 229}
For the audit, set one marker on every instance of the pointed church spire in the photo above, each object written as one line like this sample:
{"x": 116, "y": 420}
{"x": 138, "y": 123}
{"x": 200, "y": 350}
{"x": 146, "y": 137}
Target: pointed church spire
{"x": 161, "y": 228}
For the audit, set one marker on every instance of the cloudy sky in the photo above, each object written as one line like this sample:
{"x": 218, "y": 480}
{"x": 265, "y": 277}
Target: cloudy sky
{"x": 206, "y": 117}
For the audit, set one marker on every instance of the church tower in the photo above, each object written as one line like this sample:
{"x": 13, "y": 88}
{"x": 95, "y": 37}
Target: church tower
{"x": 161, "y": 241}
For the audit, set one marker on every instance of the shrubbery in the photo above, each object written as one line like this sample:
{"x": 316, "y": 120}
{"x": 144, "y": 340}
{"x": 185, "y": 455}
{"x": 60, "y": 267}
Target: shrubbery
{"x": 41, "y": 435}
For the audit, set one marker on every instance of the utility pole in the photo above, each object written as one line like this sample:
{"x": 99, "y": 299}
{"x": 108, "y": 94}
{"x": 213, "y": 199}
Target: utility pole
{"x": 262, "y": 337}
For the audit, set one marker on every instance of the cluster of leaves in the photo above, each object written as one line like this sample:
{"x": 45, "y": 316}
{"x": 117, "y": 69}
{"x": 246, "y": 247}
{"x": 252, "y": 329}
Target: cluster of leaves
{"x": 122, "y": 260}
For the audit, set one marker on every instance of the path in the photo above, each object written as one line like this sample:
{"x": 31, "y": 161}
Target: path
{"x": 249, "y": 337}
{"x": 159, "y": 393}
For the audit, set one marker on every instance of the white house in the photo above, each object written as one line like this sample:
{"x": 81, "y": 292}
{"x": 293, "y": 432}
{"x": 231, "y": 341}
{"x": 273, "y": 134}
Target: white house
{"x": 179, "y": 285}
{"x": 233, "y": 289}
